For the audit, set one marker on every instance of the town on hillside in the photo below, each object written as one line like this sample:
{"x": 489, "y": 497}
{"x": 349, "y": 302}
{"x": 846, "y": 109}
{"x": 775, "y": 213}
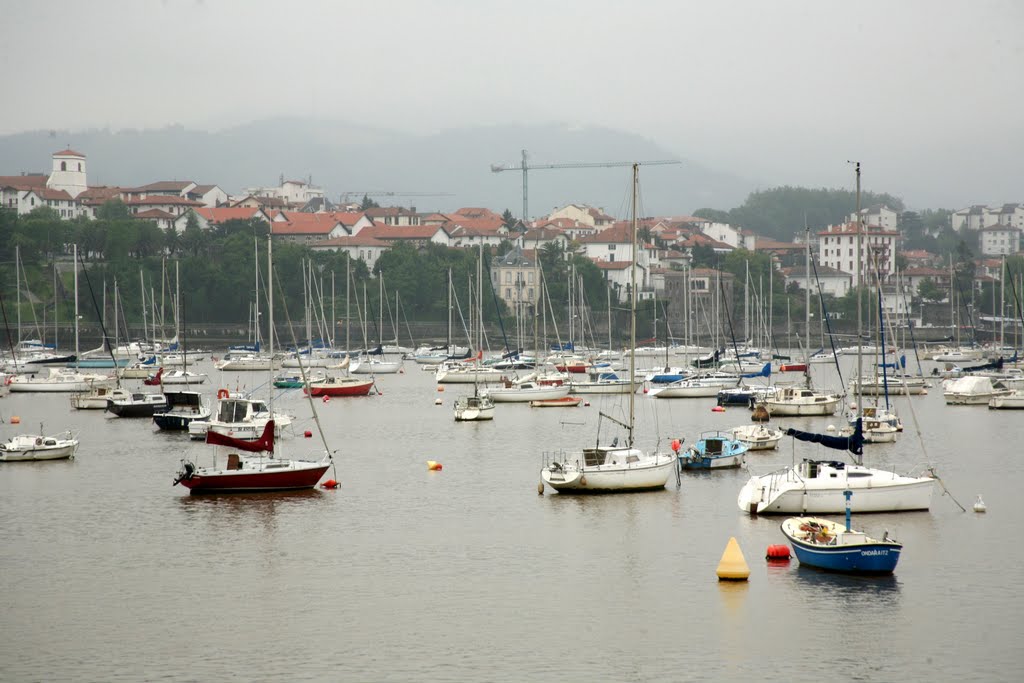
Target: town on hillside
{"x": 671, "y": 248}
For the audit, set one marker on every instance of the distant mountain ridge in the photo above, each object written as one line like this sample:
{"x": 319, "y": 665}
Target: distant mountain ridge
{"x": 345, "y": 157}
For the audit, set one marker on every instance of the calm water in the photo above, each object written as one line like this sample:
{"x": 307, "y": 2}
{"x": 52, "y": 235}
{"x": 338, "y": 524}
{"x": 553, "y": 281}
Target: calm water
{"x": 109, "y": 573}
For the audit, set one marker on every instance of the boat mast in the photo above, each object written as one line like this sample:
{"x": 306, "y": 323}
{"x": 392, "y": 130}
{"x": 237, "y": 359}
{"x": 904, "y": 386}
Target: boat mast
{"x": 17, "y": 278}
{"x": 860, "y": 287}
{"x": 179, "y": 328}
{"x": 256, "y": 311}
{"x": 632, "y": 311}
{"x": 75, "y": 254}
{"x": 142, "y": 290}
{"x": 807, "y": 299}
{"x": 348, "y": 305}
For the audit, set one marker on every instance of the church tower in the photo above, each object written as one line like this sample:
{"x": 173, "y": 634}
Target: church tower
{"x": 68, "y": 172}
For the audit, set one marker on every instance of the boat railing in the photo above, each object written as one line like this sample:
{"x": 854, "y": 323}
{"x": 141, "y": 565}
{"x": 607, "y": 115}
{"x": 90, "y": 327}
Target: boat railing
{"x": 559, "y": 456}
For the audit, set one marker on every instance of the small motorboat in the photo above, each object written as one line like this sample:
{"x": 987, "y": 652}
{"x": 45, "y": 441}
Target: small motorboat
{"x": 136, "y": 404}
{"x": 38, "y": 447}
{"x": 563, "y": 402}
{"x": 758, "y": 437}
{"x": 712, "y": 451}
{"x": 474, "y": 408}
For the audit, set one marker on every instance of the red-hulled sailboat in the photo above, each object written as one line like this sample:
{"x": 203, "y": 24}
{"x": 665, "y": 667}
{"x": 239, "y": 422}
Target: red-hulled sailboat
{"x": 250, "y": 474}
{"x": 339, "y": 386}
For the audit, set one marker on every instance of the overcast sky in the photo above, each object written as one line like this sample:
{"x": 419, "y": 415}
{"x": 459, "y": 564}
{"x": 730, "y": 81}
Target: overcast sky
{"x": 928, "y": 95}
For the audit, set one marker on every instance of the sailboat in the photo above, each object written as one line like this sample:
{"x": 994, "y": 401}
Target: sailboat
{"x": 792, "y": 401}
{"x": 263, "y": 472}
{"x": 824, "y": 544}
{"x": 614, "y": 467}
{"x": 818, "y": 486}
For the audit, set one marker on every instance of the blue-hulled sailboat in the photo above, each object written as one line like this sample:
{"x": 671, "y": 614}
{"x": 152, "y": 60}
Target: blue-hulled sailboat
{"x": 828, "y": 545}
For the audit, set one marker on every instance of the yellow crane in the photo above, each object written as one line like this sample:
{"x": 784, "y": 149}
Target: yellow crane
{"x": 526, "y": 167}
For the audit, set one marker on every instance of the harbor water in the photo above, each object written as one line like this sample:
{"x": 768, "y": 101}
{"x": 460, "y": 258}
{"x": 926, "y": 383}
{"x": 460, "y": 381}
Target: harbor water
{"x": 110, "y": 573}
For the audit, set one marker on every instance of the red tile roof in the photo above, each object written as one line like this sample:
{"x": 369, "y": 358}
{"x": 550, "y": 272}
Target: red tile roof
{"x": 225, "y": 213}
{"x": 360, "y": 240}
{"x": 24, "y": 182}
{"x": 153, "y": 214}
{"x": 402, "y": 232}
{"x": 620, "y": 233}
{"x": 68, "y": 153}
{"x": 612, "y": 265}
{"x": 163, "y": 199}
{"x": 50, "y": 193}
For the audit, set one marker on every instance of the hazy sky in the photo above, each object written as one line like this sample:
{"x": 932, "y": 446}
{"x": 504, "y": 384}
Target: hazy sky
{"x": 928, "y": 95}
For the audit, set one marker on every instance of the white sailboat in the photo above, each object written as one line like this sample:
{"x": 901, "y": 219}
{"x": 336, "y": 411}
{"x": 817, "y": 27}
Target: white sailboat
{"x": 817, "y": 486}
{"x": 613, "y": 467}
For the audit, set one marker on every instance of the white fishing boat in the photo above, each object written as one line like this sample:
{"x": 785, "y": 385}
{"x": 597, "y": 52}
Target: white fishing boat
{"x": 613, "y": 467}
{"x": 38, "y": 447}
{"x": 239, "y": 417}
{"x": 600, "y": 382}
{"x": 758, "y": 437}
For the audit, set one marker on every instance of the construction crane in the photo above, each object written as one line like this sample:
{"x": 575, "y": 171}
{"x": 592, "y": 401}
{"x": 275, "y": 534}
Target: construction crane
{"x": 526, "y": 168}
{"x": 345, "y": 196}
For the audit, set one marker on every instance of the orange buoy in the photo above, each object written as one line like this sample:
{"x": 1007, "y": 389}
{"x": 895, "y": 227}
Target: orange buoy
{"x": 718, "y": 409}
{"x": 440, "y": 387}
{"x": 15, "y": 420}
{"x": 434, "y": 466}
{"x": 308, "y": 434}
{"x": 330, "y": 484}
{"x": 777, "y": 553}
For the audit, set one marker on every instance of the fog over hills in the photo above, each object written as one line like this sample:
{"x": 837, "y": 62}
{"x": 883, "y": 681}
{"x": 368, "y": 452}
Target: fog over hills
{"x": 343, "y": 157}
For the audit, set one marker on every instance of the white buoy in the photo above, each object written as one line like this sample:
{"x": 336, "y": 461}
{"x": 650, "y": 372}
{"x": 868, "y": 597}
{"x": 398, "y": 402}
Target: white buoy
{"x": 979, "y": 505}
{"x": 830, "y": 428}
{"x": 437, "y": 401}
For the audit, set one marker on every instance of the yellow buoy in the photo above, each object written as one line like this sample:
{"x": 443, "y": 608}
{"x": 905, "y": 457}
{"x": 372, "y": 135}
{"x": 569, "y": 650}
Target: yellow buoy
{"x": 732, "y": 566}
{"x": 434, "y": 465}
{"x": 15, "y": 420}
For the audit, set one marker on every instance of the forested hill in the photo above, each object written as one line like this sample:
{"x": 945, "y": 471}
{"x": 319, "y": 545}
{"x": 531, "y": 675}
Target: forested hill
{"x": 781, "y": 212}
{"x": 342, "y": 157}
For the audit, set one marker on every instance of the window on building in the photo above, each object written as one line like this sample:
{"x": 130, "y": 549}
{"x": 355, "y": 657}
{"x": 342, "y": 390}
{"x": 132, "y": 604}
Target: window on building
{"x": 63, "y": 165}
{"x": 530, "y": 293}
{"x": 79, "y": 166}
{"x": 851, "y": 252}
{"x": 508, "y": 293}
{"x": 531, "y": 278}
{"x": 508, "y": 277}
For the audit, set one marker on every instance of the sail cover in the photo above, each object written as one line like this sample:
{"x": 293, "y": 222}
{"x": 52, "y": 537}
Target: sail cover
{"x": 264, "y": 443}
{"x": 853, "y": 443}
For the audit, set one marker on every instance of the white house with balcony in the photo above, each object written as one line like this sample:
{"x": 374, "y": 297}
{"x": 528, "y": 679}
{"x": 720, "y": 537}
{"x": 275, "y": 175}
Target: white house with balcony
{"x": 516, "y": 277}
{"x": 997, "y": 240}
{"x": 837, "y": 248}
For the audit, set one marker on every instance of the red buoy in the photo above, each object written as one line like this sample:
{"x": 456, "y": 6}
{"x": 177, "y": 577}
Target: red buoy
{"x": 777, "y": 552}
{"x": 308, "y": 434}
{"x": 330, "y": 484}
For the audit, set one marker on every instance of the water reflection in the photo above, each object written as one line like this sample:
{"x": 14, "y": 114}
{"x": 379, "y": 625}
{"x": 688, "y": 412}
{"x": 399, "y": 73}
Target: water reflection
{"x": 848, "y": 588}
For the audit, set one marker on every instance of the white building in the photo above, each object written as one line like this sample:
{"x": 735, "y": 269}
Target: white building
{"x": 877, "y": 216}
{"x": 832, "y": 281}
{"x": 68, "y": 172}
{"x": 837, "y": 248}
{"x": 723, "y": 232}
{"x": 295, "y": 192}
{"x": 979, "y": 216}
{"x": 999, "y": 239}
{"x": 581, "y": 213}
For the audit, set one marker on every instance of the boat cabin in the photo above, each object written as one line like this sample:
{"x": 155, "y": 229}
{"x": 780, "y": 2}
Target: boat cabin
{"x": 239, "y": 409}
{"x": 609, "y": 455}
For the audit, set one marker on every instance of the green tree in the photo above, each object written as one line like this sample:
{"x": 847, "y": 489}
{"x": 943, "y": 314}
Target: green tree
{"x": 714, "y": 215}
{"x": 368, "y": 203}
{"x": 930, "y": 291}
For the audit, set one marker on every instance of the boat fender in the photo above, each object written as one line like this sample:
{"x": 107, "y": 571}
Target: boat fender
{"x": 222, "y": 393}
{"x": 583, "y": 480}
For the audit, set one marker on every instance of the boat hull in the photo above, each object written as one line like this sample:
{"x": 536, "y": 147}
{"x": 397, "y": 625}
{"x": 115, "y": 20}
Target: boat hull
{"x": 545, "y": 393}
{"x": 564, "y": 402}
{"x": 616, "y": 475}
{"x": 347, "y": 389}
{"x": 788, "y": 409}
{"x": 785, "y": 493}
{"x": 41, "y": 453}
{"x": 240, "y": 481}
